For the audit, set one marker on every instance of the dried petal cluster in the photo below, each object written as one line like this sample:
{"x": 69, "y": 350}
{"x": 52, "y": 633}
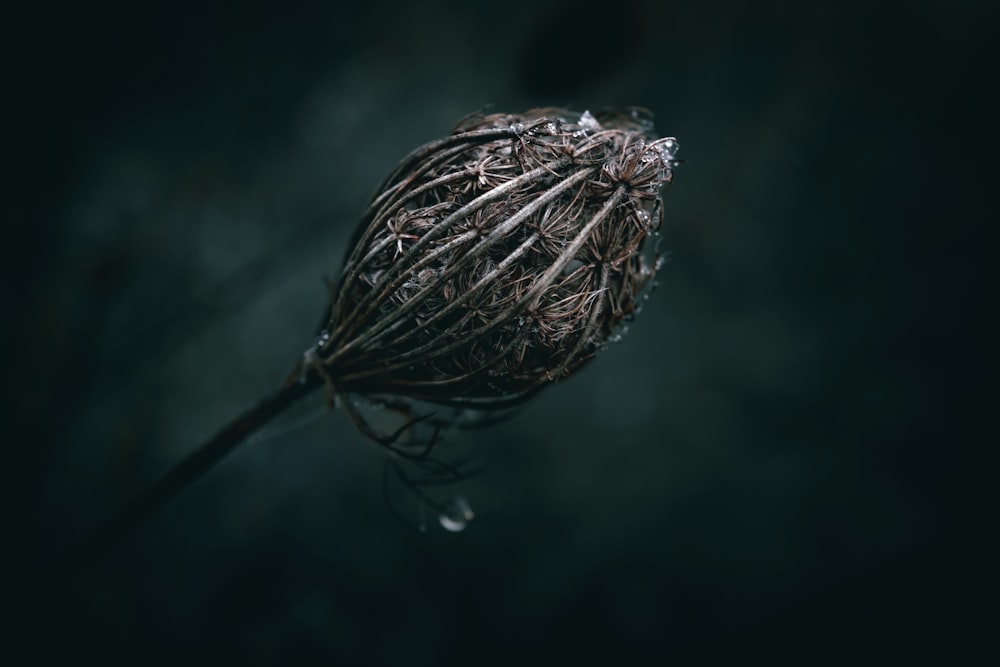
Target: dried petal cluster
{"x": 498, "y": 259}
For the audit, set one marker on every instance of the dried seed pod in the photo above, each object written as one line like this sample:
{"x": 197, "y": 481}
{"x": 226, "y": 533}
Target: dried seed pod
{"x": 498, "y": 259}
{"x": 491, "y": 263}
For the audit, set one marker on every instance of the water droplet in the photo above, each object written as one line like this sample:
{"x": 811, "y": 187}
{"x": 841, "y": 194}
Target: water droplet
{"x": 571, "y": 266}
{"x": 456, "y": 515}
{"x": 668, "y": 152}
{"x": 588, "y": 123}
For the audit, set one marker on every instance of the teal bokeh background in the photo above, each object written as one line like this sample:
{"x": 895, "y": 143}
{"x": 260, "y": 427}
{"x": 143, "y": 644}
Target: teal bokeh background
{"x": 759, "y": 465}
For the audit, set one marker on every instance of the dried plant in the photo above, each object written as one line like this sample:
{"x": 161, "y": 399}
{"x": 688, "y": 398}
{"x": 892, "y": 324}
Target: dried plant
{"x": 490, "y": 263}
{"x": 498, "y": 259}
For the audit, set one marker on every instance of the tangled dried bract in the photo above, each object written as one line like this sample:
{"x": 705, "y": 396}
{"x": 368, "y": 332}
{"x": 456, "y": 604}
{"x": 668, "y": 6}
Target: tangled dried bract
{"x": 498, "y": 259}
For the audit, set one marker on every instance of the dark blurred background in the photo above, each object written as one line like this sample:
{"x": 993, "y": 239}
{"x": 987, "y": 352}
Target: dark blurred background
{"x": 758, "y": 469}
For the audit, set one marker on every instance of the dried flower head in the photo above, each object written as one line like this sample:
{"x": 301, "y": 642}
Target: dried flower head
{"x": 490, "y": 263}
{"x": 498, "y": 259}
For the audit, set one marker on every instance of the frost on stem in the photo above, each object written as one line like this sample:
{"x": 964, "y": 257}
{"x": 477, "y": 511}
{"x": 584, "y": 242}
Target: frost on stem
{"x": 498, "y": 259}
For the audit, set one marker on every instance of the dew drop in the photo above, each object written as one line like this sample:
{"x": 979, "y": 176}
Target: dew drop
{"x": 571, "y": 266}
{"x": 456, "y": 515}
{"x": 588, "y": 123}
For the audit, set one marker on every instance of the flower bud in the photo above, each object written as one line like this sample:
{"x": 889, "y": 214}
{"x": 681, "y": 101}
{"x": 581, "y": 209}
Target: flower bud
{"x": 498, "y": 259}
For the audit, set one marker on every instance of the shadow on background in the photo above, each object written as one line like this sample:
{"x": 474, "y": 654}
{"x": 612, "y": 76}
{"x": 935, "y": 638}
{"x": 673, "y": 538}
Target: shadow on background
{"x": 759, "y": 467}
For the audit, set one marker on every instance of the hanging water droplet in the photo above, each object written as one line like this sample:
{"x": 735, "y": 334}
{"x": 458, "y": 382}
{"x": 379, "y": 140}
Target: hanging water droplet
{"x": 456, "y": 515}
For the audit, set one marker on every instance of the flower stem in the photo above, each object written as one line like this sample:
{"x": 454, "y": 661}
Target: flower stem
{"x": 119, "y": 527}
